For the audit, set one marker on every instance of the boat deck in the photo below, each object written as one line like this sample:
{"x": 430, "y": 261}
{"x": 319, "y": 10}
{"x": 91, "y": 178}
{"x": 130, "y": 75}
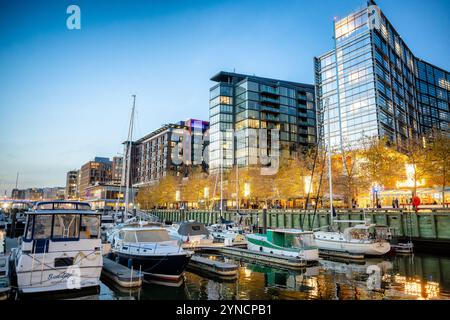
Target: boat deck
{"x": 214, "y": 267}
{"x": 120, "y": 274}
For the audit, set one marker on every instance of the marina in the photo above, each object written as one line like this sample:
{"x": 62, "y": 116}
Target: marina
{"x": 217, "y": 271}
{"x": 422, "y": 278}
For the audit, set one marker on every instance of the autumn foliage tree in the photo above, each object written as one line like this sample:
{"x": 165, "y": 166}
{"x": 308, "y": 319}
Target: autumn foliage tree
{"x": 437, "y": 163}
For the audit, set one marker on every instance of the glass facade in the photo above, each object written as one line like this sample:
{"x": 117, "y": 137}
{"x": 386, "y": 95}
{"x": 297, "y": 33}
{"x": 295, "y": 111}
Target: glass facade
{"x": 241, "y": 105}
{"x": 381, "y": 88}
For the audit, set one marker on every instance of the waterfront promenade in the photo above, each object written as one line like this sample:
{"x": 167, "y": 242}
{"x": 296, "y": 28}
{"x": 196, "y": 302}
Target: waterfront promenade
{"x": 427, "y": 227}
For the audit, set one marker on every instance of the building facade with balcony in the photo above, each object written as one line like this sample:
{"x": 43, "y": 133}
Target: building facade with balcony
{"x": 371, "y": 84}
{"x": 72, "y": 184}
{"x": 116, "y": 170}
{"x": 97, "y": 171}
{"x": 248, "y": 112}
{"x": 172, "y": 149}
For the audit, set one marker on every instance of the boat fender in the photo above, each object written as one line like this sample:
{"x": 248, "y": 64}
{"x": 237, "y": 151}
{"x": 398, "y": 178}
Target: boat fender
{"x": 130, "y": 262}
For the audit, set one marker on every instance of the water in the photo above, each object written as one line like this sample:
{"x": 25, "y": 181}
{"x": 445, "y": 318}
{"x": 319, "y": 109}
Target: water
{"x": 400, "y": 277}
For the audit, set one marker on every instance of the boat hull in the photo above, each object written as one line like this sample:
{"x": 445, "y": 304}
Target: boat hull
{"x": 370, "y": 249}
{"x": 162, "y": 267}
{"x": 59, "y": 268}
{"x": 57, "y": 279}
{"x": 259, "y": 244}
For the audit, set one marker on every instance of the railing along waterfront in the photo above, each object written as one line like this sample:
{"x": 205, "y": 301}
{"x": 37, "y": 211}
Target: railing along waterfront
{"x": 432, "y": 224}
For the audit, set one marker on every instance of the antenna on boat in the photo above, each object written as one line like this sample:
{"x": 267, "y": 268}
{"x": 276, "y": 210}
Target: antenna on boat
{"x": 128, "y": 155}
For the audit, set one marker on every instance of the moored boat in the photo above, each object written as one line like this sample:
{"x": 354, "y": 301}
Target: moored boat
{"x": 285, "y": 242}
{"x": 60, "y": 249}
{"x": 150, "y": 250}
{"x": 361, "y": 239}
{"x": 190, "y": 232}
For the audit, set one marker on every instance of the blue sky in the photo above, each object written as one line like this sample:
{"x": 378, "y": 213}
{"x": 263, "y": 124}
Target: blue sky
{"x": 65, "y": 95}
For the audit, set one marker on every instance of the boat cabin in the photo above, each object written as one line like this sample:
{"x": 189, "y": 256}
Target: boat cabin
{"x": 192, "y": 228}
{"x": 291, "y": 238}
{"x": 366, "y": 232}
{"x": 138, "y": 235}
{"x": 61, "y": 221}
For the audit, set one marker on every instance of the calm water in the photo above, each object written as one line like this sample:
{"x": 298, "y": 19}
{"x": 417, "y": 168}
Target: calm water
{"x": 400, "y": 277}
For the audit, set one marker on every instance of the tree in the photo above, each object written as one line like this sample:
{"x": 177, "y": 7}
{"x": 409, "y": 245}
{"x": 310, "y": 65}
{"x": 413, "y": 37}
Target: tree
{"x": 381, "y": 164}
{"x": 416, "y": 159}
{"x": 348, "y": 177}
{"x": 438, "y": 160}
{"x": 147, "y": 197}
{"x": 261, "y": 186}
{"x": 289, "y": 180}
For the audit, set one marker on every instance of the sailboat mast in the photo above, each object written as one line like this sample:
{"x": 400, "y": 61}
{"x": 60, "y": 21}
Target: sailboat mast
{"x": 122, "y": 179}
{"x": 330, "y": 178}
{"x": 130, "y": 142}
{"x": 221, "y": 181}
{"x": 237, "y": 187}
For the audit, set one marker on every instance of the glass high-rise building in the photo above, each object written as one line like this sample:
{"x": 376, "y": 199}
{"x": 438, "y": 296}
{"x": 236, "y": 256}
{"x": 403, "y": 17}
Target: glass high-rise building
{"x": 381, "y": 88}
{"x": 241, "y": 105}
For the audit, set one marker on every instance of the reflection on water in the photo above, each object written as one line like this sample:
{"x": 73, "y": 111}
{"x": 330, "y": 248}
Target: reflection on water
{"x": 399, "y": 277}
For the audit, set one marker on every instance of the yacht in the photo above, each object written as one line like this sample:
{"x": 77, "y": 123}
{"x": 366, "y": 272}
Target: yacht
{"x": 286, "y": 242}
{"x": 149, "y": 249}
{"x": 60, "y": 248}
{"x": 190, "y": 232}
{"x": 227, "y": 233}
{"x": 5, "y": 286}
{"x": 362, "y": 239}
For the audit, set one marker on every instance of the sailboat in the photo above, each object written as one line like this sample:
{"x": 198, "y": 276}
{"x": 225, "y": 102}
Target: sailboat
{"x": 229, "y": 232}
{"x": 361, "y": 239}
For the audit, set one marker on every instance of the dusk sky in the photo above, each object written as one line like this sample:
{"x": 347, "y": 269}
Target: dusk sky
{"x": 65, "y": 95}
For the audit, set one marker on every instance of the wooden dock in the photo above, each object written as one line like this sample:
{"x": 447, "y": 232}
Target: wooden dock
{"x": 268, "y": 259}
{"x": 218, "y": 268}
{"x": 120, "y": 274}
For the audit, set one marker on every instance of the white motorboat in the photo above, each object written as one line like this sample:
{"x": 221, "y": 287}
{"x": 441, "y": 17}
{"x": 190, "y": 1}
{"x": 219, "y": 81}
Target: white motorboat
{"x": 363, "y": 239}
{"x": 60, "y": 249}
{"x": 5, "y": 283}
{"x": 228, "y": 234}
{"x": 149, "y": 249}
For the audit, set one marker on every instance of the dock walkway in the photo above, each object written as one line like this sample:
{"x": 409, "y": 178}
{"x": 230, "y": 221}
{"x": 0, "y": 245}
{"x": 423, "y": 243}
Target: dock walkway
{"x": 120, "y": 274}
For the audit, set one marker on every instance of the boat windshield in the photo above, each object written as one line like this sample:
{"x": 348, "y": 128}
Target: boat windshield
{"x": 382, "y": 232}
{"x": 66, "y": 226}
{"x": 42, "y": 226}
{"x": 152, "y": 236}
{"x": 303, "y": 240}
{"x": 90, "y": 226}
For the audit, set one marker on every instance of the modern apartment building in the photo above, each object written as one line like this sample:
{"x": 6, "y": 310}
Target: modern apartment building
{"x": 241, "y": 105}
{"x": 172, "y": 149}
{"x": 72, "y": 184}
{"x": 97, "y": 171}
{"x": 38, "y": 194}
{"x": 381, "y": 89}
{"x": 117, "y": 166}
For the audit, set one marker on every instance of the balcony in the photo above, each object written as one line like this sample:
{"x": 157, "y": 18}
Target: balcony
{"x": 264, "y": 98}
{"x": 269, "y": 109}
{"x": 267, "y": 89}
